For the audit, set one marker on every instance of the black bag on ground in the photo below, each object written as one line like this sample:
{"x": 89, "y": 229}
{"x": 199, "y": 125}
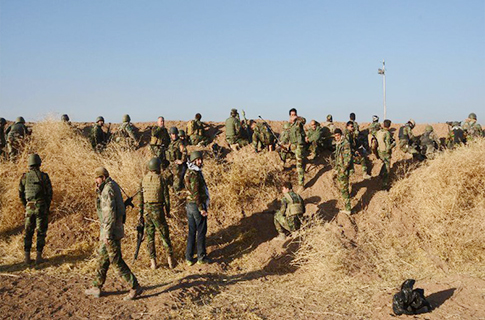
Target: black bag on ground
{"x": 409, "y": 301}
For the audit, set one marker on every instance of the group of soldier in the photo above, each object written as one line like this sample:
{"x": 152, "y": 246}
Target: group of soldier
{"x": 173, "y": 168}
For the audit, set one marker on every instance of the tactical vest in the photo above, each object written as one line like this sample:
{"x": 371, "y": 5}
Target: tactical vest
{"x": 173, "y": 152}
{"x": 230, "y": 127}
{"x": 16, "y": 131}
{"x": 34, "y": 186}
{"x": 295, "y": 207}
{"x": 295, "y": 134}
{"x": 403, "y": 134}
{"x": 191, "y": 128}
{"x": 381, "y": 144}
{"x": 425, "y": 139}
{"x": 152, "y": 188}
{"x": 123, "y": 130}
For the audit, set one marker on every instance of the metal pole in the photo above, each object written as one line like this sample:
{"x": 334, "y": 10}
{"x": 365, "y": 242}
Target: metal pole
{"x": 384, "y": 86}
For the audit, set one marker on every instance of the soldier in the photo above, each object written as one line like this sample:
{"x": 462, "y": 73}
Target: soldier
{"x": 65, "y": 119}
{"x": 177, "y": 155}
{"x": 356, "y": 125}
{"x": 384, "y": 145}
{"x": 154, "y": 206}
{"x": 196, "y": 132}
{"x": 183, "y": 137}
{"x": 328, "y": 129}
{"x": 472, "y": 128}
{"x": 262, "y": 138}
{"x": 314, "y": 138}
{"x": 296, "y": 135}
{"x": 160, "y": 139}
{"x": 407, "y": 141}
{"x": 374, "y": 127}
{"x": 358, "y": 152}
{"x": 126, "y": 133}
{"x": 284, "y": 140}
{"x": 456, "y": 135}
{"x": 112, "y": 215}
{"x": 99, "y": 138}
{"x": 35, "y": 192}
{"x": 343, "y": 165}
{"x": 16, "y": 133}
{"x": 291, "y": 211}
{"x": 234, "y": 131}
{"x": 197, "y": 206}
{"x": 329, "y": 124}
{"x": 3, "y": 141}
{"x": 430, "y": 142}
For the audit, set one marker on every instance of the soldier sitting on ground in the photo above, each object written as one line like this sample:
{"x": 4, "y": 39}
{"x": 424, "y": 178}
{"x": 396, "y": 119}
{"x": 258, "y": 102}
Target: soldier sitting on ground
{"x": 126, "y": 134}
{"x": 35, "y": 192}
{"x": 196, "y": 131}
{"x": 262, "y": 138}
{"x": 472, "y": 129}
{"x": 456, "y": 135}
{"x": 234, "y": 131}
{"x": 288, "y": 217}
{"x": 430, "y": 143}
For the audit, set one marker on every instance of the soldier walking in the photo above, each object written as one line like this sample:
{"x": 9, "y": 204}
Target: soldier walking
{"x": 288, "y": 217}
{"x": 159, "y": 139}
{"x": 35, "y": 192}
{"x": 16, "y": 133}
{"x": 385, "y": 143}
{"x": 197, "y": 210}
{"x": 112, "y": 215}
{"x": 154, "y": 207}
{"x": 343, "y": 165}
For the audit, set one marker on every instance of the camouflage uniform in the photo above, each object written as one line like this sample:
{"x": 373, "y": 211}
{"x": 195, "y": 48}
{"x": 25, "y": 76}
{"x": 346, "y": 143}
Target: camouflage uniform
{"x": 430, "y": 142}
{"x": 314, "y": 137}
{"x": 197, "y": 133}
{"x": 177, "y": 151}
{"x": 111, "y": 214}
{"x": 154, "y": 203}
{"x": 407, "y": 140}
{"x": 35, "y": 192}
{"x": 262, "y": 138}
{"x": 16, "y": 133}
{"x": 374, "y": 127}
{"x": 234, "y": 134}
{"x": 385, "y": 143}
{"x": 126, "y": 134}
{"x": 159, "y": 141}
{"x": 455, "y": 136}
{"x": 358, "y": 155}
{"x": 472, "y": 129}
{"x": 3, "y": 141}
{"x": 297, "y": 147}
{"x": 343, "y": 165}
{"x": 291, "y": 211}
{"x": 99, "y": 138}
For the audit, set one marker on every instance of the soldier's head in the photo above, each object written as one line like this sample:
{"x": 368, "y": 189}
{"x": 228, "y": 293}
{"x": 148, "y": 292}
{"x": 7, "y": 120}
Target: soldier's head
{"x": 375, "y": 118}
{"x": 233, "y": 112}
{"x": 252, "y": 124}
{"x": 154, "y": 164}
{"x": 428, "y": 128}
{"x": 352, "y": 116}
{"x": 3, "y": 122}
{"x": 411, "y": 123}
{"x": 286, "y": 186}
{"x": 126, "y": 118}
{"x": 182, "y": 134}
{"x": 65, "y": 118}
{"x": 20, "y": 120}
{"x": 387, "y": 123}
{"x": 472, "y": 116}
{"x": 455, "y": 123}
{"x": 198, "y": 116}
{"x": 34, "y": 160}
{"x": 293, "y": 115}
{"x": 196, "y": 158}
{"x": 350, "y": 126}
{"x": 101, "y": 174}
{"x": 161, "y": 122}
{"x": 337, "y": 134}
{"x": 313, "y": 124}
{"x": 100, "y": 120}
{"x": 329, "y": 118}
{"x": 174, "y": 133}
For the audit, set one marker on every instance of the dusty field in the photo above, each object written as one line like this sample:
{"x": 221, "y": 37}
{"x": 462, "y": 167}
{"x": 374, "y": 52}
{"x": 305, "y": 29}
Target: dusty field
{"x": 254, "y": 276}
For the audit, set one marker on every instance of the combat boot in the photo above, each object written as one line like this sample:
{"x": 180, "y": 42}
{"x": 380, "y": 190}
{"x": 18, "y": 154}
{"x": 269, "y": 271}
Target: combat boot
{"x": 38, "y": 258}
{"x": 170, "y": 260}
{"x": 27, "y": 257}
{"x": 153, "y": 264}
{"x": 94, "y": 291}
{"x": 133, "y": 293}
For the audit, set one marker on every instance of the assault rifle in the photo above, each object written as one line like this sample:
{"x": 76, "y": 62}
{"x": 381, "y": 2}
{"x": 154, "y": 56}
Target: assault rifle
{"x": 140, "y": 228}
{"x": 278, "y": 143}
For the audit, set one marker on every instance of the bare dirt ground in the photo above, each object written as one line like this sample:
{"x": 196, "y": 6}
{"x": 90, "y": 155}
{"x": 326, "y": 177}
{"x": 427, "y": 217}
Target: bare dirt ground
{"x": 244, "y": 256}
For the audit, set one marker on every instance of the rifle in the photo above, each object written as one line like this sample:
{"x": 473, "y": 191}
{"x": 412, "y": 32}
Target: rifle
{"x": 273, "y": 134}
{"x": 140, "y": 228}
{"x": 129, "y": 201}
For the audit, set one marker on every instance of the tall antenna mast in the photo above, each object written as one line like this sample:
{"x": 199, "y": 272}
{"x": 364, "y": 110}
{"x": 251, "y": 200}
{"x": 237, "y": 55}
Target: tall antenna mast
{"x": 383, "y": 72}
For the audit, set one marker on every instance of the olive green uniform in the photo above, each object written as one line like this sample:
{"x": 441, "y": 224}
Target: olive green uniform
{"x": 288, "y": 217}
{"x": 234, "y": 134}
{"x": 385, "y": 143}
{"x": 99, "y": 138}
{"x": 407, "y": 140}
{"x": 296, "y": 137}
{"x": 35, "y": 192}
{"x": 430, "y": 142}
{"x": 177, "y": 151}
{"x": 16, "y": 133}
{"x": 343, "y": 165}
{"x": 472, "y": 129}
{"x": 315, "y": 140}
{"x": 358, "y": 156}
{"x": 262, "y": 138}
{"x": 159, "y": 141}
{"x": 196, "y": 132}
{"x": 126, "y": 134}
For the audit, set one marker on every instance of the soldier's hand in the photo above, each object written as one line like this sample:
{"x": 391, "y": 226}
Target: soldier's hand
{"x": 204, "y": 213}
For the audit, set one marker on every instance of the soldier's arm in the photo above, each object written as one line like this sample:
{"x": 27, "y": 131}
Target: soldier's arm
{"x": 48, "y": 187}
{"x": 284, "y": 204}
{"x": 131, "y": 131}
{"x": 346, "y": 156}
{"x": 183, "y": 150}
{"x": 194, "y": 186}
{"x": 108, "y": 207}
{"x": 166, "y": 197}
{"x": 22, "y": 190}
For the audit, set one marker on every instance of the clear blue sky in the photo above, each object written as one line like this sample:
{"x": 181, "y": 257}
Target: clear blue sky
{"x": 176, "y": 58}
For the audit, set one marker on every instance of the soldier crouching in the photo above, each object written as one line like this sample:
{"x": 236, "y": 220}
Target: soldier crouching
{"x": 288, "y": 218}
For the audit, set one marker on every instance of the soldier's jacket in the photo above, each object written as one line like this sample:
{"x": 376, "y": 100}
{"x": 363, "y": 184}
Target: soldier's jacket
{"x": 356, "y": 128}
{"x": 330, "y": 125}
{"x": 314, "y": 135}
{"x": 196, "y": 187}
{"x": 406, "y": 134}
{"x": 384, "y": 141}
{"x": 472, "y": 129}
{"x": 98, "y": 136}
{"x": 374, "y": 128}
{"x": 296, "y": 132}
{"x": 159, "y": 136}
{"x": 233, "y": 127}
{"x": 197, "y": 128}
{"x": 285, "y": 136}
{"x": 351, "y": 138}
{"x": 343, "y": 155}
{"x": 154, "y": 190}
{"x": 262, "y": 134}
{"x": 35, "y": 189}
{"x": 429, "y": 138}
{"x": 291, "y": 205}
{"x": 455, "y": 136}
{"x": 111, "y": 210}
{"x": 3, "y": 142}
{"x": 176, "y": 151}
{"x": 16, "y": 131}
{"x": 127, "y": 130}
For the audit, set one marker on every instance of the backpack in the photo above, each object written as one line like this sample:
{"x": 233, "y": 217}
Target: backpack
{"x": 294, "y": 208}
{"x": 191, "y": 128}
{"x": 401, "y": 134}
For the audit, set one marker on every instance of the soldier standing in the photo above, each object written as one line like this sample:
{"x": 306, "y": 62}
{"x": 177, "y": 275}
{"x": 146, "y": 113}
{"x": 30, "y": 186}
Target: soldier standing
{"x": 16, "y": 133}
{"x": 343, "y": 165}
{"x": 112, "y": 215}
{"x": 430, "y": 142}
{"x": 357, "y": 150}
{"x": 160, "y": 139}
{"x": 288, "y": 218}
{"x": 374, "y": 127}
{"x": 99, "y": 138}
{"x": 296, "y": 135}
{"x": 234, "y": 134}
{"x": 314, "y": 138}
{"x": 197, "y": 206}
{"x": 3, "y": 141}
{"x": 385, "y": 143}
{"x": 472, "y": 128}
{"x": 177, "y": 155}
{"x": 126, "y": 132}
{"x": 154, "y": 207}
{"x": 328, "y": 129}
{"x": 196, "y": 132}
{"x": 35, "y": 192}
{"x": 356, "y": 125}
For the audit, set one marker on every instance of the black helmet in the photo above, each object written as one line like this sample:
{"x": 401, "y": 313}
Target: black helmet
{"x": 154, "y": 164}
{"x": 100, "y": 118}
{"x": 34, "y": 160}
{"x": 20, "y": 120}
{"x": 65, "y": 118}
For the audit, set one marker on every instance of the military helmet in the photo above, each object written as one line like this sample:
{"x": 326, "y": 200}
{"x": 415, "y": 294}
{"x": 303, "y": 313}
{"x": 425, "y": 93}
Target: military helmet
{"x": 3, "y": 122}
{"x": 233, "y": 112}
{"x": 34, "y": 160}
{"x": 100, "y": 118}
{"x": 65, "y": 117}
{"x": 456, "y": 123}
{"x": 195, "y": 155}
{"x": 20, "y": 120}
{"x": 101, "y": 172}
{"x": 174, "y": 130}
{"x": 182, "y": 133}
{"x": 472, "y": 116}
{"x": 329, "y": 118}
{"x": 126, "y": 118}
{"x": 154, "y": 164}
{"x": 412, "y": 122}
{"x": 375, "y": 118}
{"x": 428, "y": 128}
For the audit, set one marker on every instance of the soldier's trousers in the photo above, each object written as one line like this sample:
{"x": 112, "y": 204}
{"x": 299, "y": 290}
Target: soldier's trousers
{"x": 197, "y": 232}
{"x": 237, "y": 140}
{"x": 299, "y": 151}
{"x": 13, "y": 149}
{"x": 155, "y": 220}
{"x": 386, "y": 168}
{"x": 343, "y": 181}
{"x": 178, "y": 181}
{"x": 282, "y": 222}
{"x": 158, "y": 151}
{"x": 110, "y": 253}
{"x": 36, "y": 220}
{"x": 196, "y": 139}
{"x": 362, "y": 160}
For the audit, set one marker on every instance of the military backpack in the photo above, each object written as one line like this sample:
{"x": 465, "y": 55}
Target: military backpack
{"x": 294, "y": 208}
{"x": 152, "y": 188}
